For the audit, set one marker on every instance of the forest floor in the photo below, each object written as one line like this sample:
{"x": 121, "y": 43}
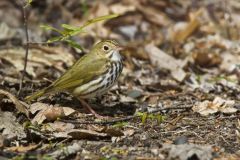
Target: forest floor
{"x": 177, "y": 98}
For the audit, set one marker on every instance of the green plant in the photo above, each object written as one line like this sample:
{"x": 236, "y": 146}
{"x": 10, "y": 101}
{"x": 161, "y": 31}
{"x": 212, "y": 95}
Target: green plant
{"x": 68, "y": 31}
{"x": 144, "y": 116}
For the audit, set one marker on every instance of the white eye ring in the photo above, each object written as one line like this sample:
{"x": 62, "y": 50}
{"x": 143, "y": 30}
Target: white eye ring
{"x": 105, "y": 48}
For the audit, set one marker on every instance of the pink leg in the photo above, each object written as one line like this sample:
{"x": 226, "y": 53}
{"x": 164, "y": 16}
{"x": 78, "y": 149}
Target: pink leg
{"x": 89, "y": 108}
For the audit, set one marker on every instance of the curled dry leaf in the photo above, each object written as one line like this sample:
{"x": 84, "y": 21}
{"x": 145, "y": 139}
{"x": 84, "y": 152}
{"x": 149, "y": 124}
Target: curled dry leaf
{"x": 217, "y": 105}
{"x": 181, "y": 31}
{"x": 20, "y": 106}
{"x": 163, "y": 60}
{"x": 49, "y": 112}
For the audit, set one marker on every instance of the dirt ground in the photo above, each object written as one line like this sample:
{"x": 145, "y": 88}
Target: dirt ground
{"x": 178, "y": 96}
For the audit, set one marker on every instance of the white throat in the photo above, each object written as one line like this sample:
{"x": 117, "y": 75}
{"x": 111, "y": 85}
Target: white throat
{"x": 115, "y": 56}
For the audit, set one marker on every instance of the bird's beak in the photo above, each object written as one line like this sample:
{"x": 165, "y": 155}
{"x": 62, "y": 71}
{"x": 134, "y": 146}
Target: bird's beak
{"x": 120, "y": 48}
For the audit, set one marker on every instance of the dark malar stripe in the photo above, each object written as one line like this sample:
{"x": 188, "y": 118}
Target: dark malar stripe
{"x": 118, "y": 70}
{"x": 112, "y": 66}
{"x": 110, "y": 57}
{"x": 113, "y": 72}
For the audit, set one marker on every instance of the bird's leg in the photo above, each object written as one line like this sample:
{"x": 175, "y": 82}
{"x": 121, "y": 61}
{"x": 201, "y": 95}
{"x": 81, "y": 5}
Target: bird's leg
{"x": 89, "y": 108}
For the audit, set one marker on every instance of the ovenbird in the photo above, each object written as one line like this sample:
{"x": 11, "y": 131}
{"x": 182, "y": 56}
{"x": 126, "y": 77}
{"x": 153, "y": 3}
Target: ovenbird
{"x": 92, "y": 75}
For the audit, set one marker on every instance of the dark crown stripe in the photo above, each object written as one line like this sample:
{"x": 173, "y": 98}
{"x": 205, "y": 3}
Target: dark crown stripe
{"x": 112, "y": 42}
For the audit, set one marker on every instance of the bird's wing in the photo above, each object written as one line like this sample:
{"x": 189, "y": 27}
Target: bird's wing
{"x": 83, "y": 71}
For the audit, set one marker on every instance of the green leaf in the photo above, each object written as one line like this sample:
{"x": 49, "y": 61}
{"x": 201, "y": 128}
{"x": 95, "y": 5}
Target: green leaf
{"x": 28, "y": 3}
{"x": 74, "y": 44}
{"x": 159, "y": 118}
{"x": 47, "y": 27}
{"x": 101, "y": 18}
{"x": 54, "y": 39}
{"x": 69, "y": 27}
{"x": 144, "y": 117}
{"x": 120, "y": 124}
{"x": 75, "y": 32}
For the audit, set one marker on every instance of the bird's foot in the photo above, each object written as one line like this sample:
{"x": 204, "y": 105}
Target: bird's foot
{"x": 89, "y": 108}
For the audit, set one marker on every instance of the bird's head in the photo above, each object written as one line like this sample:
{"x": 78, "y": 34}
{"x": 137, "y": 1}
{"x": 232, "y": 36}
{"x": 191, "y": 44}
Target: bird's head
{"x": 108, "y": 49}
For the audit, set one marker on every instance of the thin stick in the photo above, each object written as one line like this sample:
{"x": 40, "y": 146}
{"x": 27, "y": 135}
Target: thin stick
{"x": 126, "y": 118}
{"x": 27, "y": 47}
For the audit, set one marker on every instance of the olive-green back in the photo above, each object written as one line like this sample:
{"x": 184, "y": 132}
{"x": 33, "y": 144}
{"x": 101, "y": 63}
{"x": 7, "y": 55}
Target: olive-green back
{"x": 87, "y": 68}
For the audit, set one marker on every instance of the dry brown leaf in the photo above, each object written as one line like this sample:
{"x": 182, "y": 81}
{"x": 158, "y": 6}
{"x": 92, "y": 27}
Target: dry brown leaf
{"x": 153, "y": 15}
{"x": 129, "y": 132}
{"x": 207, "y": 59}
{"x": 181, "y": 30}
{"x": 229, "y": 61}
{"x": 49, "y": 112}
{"x": 121, "y": 9}
{"x": 68, "y": 111}
{"x": 127, "y": 99}
{"x": 22, "y": 149}
{"x": 38, "y": 106}
{"x": 38, "y": 57}
{"x": 98, "y": 29}
{"x": 113, "y": 132}
{"x": 58, "y": 126}
{"x": 163, "y": 60}
{"x": 21, "y": 106}
{"x": 217, "y": 105}
{"x": 53, "y": 113}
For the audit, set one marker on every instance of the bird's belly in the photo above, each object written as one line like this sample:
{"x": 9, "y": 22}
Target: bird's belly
{"x": 100, "y": 85}
{"x": 96, "y": 93}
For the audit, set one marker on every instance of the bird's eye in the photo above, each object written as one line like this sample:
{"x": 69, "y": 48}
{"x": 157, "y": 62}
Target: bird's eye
{"x": 106, "y": 48}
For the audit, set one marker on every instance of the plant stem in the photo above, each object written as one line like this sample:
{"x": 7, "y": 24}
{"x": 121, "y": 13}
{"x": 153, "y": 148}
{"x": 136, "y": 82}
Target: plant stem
{"x": 26, "y": 48}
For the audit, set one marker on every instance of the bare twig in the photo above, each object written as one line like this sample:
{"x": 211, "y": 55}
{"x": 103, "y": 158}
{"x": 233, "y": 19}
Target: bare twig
{"x": 113, "y": 121}
{"x": 25, "y": 19}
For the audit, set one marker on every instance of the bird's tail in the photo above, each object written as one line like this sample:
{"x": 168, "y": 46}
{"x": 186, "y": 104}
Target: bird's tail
{"x": 37, "y": 94}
